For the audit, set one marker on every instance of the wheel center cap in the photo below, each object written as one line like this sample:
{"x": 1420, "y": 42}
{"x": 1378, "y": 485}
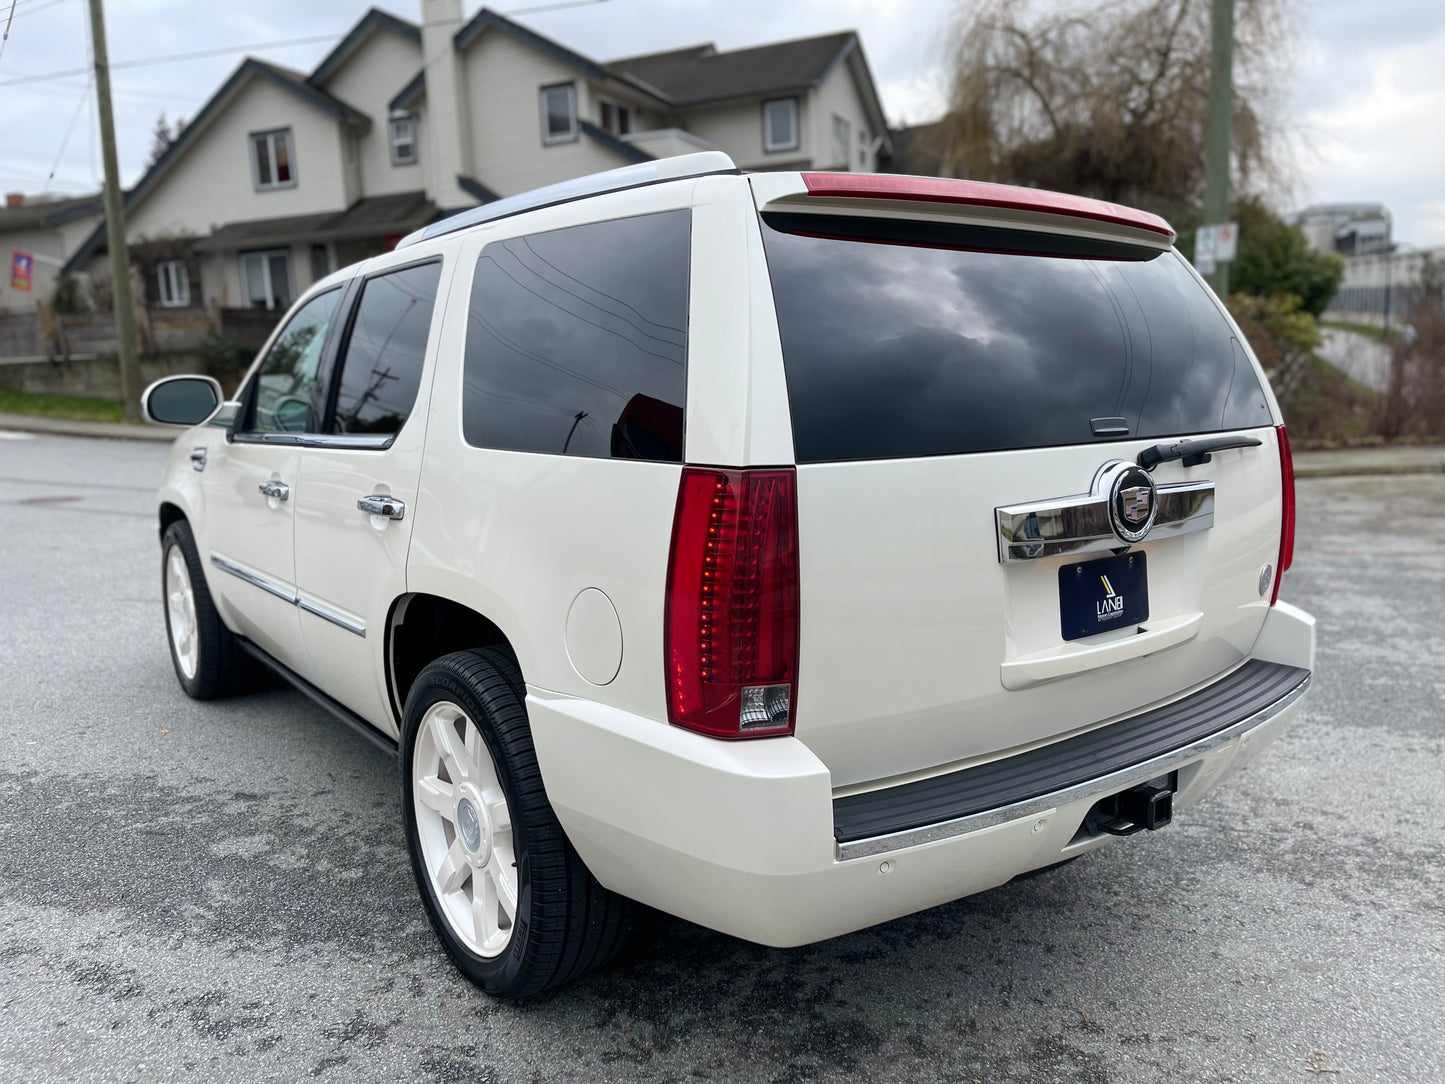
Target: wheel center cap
{"x": 469, "y": 825}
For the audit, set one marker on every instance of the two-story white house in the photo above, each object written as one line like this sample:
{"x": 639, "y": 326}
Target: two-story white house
{"x": 283, "y": 176}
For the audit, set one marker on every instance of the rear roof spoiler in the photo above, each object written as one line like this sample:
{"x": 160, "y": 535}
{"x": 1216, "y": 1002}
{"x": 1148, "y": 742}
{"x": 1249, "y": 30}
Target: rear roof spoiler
{"x": 941, "y": 197}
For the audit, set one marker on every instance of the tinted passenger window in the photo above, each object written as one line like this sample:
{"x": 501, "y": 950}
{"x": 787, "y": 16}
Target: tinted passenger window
{"x": 286, "y": 380}
{"x": 892, "y": 349}
{"x": 577, "y": 339}
{"x": 381, "y": 370}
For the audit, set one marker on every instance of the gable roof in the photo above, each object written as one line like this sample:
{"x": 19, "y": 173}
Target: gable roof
{"x": 292, "y": 81}
{"x": 701, "y": 74}
{"x": 374, "y": 20}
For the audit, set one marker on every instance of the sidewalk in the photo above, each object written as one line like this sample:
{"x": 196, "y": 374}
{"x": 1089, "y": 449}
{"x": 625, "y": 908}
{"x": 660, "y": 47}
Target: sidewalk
{"x": 1394, "y": 459}
{"x": 1399, "y": 459}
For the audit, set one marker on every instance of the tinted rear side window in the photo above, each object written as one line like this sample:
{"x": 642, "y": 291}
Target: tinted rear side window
{"x": 577, "y": 341}
{"x": 892, "y": 349}
{"x": 381, "y": 370}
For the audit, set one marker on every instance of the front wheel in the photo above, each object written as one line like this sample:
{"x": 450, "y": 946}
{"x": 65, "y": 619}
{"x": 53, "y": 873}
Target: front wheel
{"x": 512, "y": 903}
{"x": 209, "y": 662}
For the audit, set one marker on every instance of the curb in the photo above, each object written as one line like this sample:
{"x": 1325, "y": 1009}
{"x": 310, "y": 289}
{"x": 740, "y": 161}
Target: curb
{"x": 64, "y": 427}
{"x": 1357, "y": 470}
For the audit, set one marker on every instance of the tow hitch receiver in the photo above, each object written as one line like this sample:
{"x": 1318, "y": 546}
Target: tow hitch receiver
{"x": 1149, "y": 805}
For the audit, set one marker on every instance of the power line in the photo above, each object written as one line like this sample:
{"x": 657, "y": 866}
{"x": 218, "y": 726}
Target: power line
{"x": 8, "y": 22}
{"x": 171, "y": 58}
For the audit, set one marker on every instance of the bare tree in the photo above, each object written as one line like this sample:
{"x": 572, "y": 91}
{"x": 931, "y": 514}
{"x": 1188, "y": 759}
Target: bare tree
{"x": 1108, "y": 98}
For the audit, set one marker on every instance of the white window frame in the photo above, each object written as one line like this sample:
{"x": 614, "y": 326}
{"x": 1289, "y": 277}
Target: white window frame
{"x": 769, "y": 146}
{"x": 570, "y": 136}
{"x": 842, "y": 141}
{"x": 619, "y": 111}
{"x": 407, "y": 120}
{"x": 269, "y": 139}
{"x": 265, "y": 255}
{"x": 174, "y": 283}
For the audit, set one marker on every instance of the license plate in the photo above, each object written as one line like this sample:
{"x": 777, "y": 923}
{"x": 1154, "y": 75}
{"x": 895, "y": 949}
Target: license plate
{"x": 1097, "y": 596}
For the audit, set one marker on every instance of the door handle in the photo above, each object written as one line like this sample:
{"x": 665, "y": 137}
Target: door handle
{"x": 379, "y": 504}
{"x": 279, "y": 490}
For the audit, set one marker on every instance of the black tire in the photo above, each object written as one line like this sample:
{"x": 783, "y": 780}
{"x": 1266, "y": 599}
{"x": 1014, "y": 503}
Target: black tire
{"x": 567, "y": 924}
{"x": 222, "y": 668}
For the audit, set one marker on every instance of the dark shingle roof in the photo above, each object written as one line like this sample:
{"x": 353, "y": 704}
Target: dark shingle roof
{"x": 700, "y": 73}
{"x": 49, "y": 212}
{"x": 400, "y": 212}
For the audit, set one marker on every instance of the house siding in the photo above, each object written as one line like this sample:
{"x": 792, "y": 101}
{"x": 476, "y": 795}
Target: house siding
{"x": 737, "y": 128}
{"x": 838, "y": 96}
{"x": 369, "y": 79}
{"x": 503, "y": 77}
{"x": 212, "y": 184}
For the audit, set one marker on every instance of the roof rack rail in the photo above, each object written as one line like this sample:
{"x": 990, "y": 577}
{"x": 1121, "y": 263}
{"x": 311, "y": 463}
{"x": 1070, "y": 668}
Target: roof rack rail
{"x": 702, "y": 164}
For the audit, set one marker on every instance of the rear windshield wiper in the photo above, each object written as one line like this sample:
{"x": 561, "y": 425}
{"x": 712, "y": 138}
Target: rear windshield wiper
{"x": 1193, "y": 452}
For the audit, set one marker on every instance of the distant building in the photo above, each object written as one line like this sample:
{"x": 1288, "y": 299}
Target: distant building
{"x": 1383, "y": 288}
{"x": 47, "y": 230}
{"x": 283, "y": 176}
{"x": 1351, "y": 229}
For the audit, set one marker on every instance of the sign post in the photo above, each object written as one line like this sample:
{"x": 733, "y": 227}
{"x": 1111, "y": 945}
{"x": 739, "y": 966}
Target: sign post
{"x": 1214, "y": 247}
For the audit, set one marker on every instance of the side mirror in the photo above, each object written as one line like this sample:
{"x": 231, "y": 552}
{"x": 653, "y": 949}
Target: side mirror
{"x": 181, "y": 400}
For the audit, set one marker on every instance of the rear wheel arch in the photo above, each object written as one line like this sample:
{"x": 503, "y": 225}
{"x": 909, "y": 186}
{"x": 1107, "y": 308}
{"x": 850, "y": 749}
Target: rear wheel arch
{"x": 421, "y": 628}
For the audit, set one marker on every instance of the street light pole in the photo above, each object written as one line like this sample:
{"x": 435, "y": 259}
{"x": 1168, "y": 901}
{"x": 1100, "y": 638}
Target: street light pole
{"x": 115, "y": 224}
{"x": 1221, "y": 115}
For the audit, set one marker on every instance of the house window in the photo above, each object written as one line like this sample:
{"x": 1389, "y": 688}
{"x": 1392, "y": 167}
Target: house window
{"x": 403, "y": 141}
{"x": 266, "y": 279}
{"x": 272, "y": 160}
{"x": 320, "y": 265}
{"x": 615, "y": 118}
{"x": 780, "y": 125}
{"x": 559, "y": 113}
{"x": 862, "y": 148}
{"x": 842, "y": 140}
{"x": 174, "y": 283}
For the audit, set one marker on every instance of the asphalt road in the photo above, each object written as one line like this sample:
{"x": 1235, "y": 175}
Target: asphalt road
{"x": 219, "y": 892}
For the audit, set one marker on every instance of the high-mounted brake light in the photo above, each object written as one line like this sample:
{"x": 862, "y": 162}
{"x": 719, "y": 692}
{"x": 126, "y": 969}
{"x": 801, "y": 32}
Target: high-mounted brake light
{"x": 732, "y": 603}
{"x": 1286, "y": 526}
{"x": 981, "y": 194}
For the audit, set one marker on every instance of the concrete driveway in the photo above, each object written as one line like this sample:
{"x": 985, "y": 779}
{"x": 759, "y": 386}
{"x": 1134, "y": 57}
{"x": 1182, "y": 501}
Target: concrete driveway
{"x": 219, "y": 892}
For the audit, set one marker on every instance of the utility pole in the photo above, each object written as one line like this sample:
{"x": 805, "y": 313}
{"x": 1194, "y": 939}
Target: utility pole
{"x": 1221, "y": 117}
{"x": 115, "y": 224}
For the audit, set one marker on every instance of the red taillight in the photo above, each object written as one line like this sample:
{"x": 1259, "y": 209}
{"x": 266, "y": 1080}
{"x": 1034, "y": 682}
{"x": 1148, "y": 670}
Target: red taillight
{"x": 980, "y": 194}
{"x": 1286, "y": 526}
{"x": 732, "y": 603}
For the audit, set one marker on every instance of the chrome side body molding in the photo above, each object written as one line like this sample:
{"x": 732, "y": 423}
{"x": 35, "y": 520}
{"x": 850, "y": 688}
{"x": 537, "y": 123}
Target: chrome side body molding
{"x": 286, "y": 594}
{"x": 1090, "y": 522}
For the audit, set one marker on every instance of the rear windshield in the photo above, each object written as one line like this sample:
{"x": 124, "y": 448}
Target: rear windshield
{"x": 893, "y": 348}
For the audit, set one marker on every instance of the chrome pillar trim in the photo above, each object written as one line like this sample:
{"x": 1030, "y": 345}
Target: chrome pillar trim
{"x": 328, "y": 614}
{"x": 1067, "y": 526}
{"x": 1091, "y": 790}
{"x": 255, "y": 580}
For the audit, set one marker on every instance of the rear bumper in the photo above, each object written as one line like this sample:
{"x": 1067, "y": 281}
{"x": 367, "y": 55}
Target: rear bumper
{"x": 747, "y": 837}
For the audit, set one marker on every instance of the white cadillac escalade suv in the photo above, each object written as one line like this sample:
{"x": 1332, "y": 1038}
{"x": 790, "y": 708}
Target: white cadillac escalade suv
{"x": 789, "y": 552}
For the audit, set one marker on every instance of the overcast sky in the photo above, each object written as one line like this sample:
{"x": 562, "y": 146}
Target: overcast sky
{"x": 1368, "y": 121}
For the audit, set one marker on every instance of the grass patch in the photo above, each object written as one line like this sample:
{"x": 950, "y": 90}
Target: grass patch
{"x": 69, "y": 407}
{"x": 1369, "y": 331}
{"x": 1329, "y": 410}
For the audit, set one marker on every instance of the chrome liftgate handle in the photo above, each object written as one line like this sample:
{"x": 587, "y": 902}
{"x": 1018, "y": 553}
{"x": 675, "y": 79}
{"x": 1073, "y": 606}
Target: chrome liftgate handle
{"x": 378, "y": 504}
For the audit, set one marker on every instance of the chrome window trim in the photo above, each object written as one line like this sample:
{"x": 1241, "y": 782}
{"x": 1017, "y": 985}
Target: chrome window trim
{"x": 288, "y": 595}
{"x": 1082, "y": 524}
{"x": 255, "y": 580}
{"x": 328, "y": 614}
{"x": 362, "y": 442}
{"x": 1091, "y": 789}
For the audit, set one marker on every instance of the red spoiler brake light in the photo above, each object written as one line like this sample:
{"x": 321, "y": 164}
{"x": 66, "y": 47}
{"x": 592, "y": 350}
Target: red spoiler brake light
{"x": 979, "y": 193}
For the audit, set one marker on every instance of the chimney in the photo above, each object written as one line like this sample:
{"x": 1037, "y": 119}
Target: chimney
{"x": 447, "y": 119}
{"x": 14, "y": 199}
